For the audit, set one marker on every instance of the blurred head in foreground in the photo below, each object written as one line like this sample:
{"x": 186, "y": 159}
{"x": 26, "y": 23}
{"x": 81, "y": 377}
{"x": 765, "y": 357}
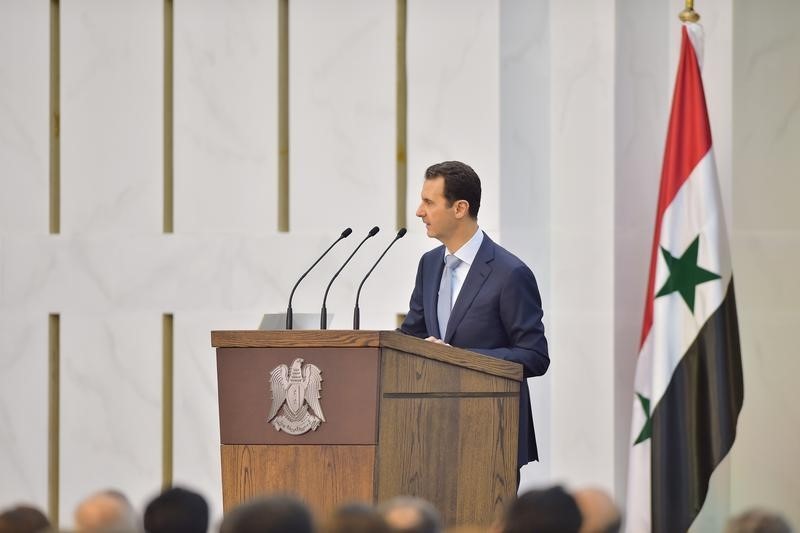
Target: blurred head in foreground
{"x": 176, "y": 510}
{"x": 274, "y": 514}
{"x": 107, "y": 511}
{"x": 551, "y": 510}
{"x": 23, "y": 519}
{"x": 406, "y": 514}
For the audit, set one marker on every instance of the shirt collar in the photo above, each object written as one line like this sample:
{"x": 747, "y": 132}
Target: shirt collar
{"x": 470, "y": 249}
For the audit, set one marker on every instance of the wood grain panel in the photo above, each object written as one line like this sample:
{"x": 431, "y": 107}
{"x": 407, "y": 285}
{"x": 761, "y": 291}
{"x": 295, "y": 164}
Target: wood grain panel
{"x": 447, "y": 423}
{"x": 293, "y": 339}
{"x": 361, "y": 339}
{"x": 405, "y": 373}
{"x": 493, "y": 474}
{"x": 452, "y": 355}
{"x": 322, "y": 476}
{"x": 450, "y": 451}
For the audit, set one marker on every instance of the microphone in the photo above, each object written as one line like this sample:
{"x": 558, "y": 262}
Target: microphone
{"x": 346, "y": 233}
{"x": 323, "y": 316}
{"x": 356, "y": 311}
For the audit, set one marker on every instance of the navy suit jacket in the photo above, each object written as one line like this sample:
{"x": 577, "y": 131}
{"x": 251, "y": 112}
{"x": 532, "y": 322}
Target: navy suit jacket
{"x": 498, "y": 312}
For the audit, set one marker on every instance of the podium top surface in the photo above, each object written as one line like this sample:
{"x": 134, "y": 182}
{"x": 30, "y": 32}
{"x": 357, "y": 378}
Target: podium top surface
{"x": 367, "y": 339}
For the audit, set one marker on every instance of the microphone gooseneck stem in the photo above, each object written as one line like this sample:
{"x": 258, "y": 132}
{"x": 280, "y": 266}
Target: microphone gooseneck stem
{"x": 346, "y": 233}
{"x": 323, "y": 316}
{"x": 356, "y": 310}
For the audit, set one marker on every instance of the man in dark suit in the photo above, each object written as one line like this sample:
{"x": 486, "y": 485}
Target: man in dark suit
{"x": 472, "y": 293}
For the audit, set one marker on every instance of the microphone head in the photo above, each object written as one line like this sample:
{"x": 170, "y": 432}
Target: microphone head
{"x": 346, "y": 233}
{"x": 401, "y": 232}
{"x": 374, "y": 231}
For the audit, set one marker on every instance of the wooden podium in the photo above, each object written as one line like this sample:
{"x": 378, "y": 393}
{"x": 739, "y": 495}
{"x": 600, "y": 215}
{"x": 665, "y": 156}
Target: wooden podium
{"x": 402, "y": 417}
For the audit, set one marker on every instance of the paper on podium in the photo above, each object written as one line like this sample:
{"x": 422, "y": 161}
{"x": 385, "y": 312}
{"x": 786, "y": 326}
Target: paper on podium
{"x": 277, "y": 321}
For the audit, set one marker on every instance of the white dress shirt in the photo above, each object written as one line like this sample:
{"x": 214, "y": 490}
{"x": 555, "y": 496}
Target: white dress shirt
{"x": 467, "y": 255}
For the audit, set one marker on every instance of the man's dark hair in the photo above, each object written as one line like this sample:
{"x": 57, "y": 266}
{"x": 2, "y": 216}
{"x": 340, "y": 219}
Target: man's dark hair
{"x": 176, "y": 510}
{"x": 460, "y": 183}
{"x": 550, "y": 510}
{"x": 275, "y": 514}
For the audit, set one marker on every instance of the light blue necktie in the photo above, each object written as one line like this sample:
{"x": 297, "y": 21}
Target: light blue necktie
{"x": 445, "y": 303}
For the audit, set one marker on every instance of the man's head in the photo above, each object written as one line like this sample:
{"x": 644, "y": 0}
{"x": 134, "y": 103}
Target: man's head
{"x": 406, "y": 514}
{"x": 176, "y": 510}
{"x": 23, "y": 519}
{"x": 275, "y": 514}
{"x": 450, "y": 200}
{"x": 550, "y": 510}
{"x": 461, "y": 183}
{"x": 600, "y": 514}
{"x": 108, "y": 511}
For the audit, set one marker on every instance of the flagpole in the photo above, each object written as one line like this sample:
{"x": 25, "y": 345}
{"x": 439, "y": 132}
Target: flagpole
{"x": 689, "y": 14}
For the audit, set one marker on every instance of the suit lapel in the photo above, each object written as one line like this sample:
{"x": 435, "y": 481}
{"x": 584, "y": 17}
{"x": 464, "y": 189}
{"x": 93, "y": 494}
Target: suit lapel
{"x": 430, "y": 295}
{"x": 477, "y": 276}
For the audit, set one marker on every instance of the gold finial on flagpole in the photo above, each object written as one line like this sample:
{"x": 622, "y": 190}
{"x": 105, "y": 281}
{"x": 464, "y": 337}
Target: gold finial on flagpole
{"x": 689, "y": 14}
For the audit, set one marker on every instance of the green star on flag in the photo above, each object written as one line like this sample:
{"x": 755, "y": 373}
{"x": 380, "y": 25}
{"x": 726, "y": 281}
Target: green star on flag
{"x": 684, "y": 273}
{"x": 647, "y": 430}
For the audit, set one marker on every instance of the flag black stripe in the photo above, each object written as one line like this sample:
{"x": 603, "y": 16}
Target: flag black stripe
{"x": 694, "y": 423}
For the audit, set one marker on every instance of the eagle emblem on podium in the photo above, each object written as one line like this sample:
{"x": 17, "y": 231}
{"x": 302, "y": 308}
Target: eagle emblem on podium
{"x": 297, "y": 390}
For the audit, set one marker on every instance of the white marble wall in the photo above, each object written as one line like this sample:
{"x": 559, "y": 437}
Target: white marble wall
{"x": 582, "y": 207}
{"x": 341, "y": 107}
{"x": 23, "y": 409}
{"x": 24, "y": 155}
{"x": 24, "y": 111}
{"x": 225, "y": 113}
{"x": 111, "y": 146}
{"x": 766, "y": 253}
{"x": 111, "y": 116}
{"x": 561, "y": 108}
{"x": 110, "y": 406}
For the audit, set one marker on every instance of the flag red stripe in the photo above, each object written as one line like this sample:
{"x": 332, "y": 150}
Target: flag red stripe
{"x": 688, "y": 141}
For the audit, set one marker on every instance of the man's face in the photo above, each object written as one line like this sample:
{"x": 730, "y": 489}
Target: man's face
{"x": 440, "y": 218}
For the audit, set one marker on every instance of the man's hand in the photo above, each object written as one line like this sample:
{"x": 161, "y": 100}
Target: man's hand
{"x": 437, "y": 341}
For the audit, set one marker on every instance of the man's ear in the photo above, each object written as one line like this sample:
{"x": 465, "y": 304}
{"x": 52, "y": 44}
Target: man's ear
{"x": 462, "y": 208}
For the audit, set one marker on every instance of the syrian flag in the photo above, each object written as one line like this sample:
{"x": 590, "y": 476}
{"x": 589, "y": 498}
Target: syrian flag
{"x": 688, "y": 389}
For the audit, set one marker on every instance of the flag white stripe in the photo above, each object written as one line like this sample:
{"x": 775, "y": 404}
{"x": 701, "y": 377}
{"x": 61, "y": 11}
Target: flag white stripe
{"x": 637, "y": 517}
{"x": 693, "y": 212}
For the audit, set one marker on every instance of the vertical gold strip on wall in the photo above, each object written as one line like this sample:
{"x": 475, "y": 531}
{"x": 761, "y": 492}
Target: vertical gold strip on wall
{"x": 53, "y": 326}
{"x": 168, "y": 366}
{"x": 169, "y": 188}
{"x": 402, "y": 114}
{"x": 53, "y": 415}
{"x": 283, "y": 115}
{"x": 55, "y": 117}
